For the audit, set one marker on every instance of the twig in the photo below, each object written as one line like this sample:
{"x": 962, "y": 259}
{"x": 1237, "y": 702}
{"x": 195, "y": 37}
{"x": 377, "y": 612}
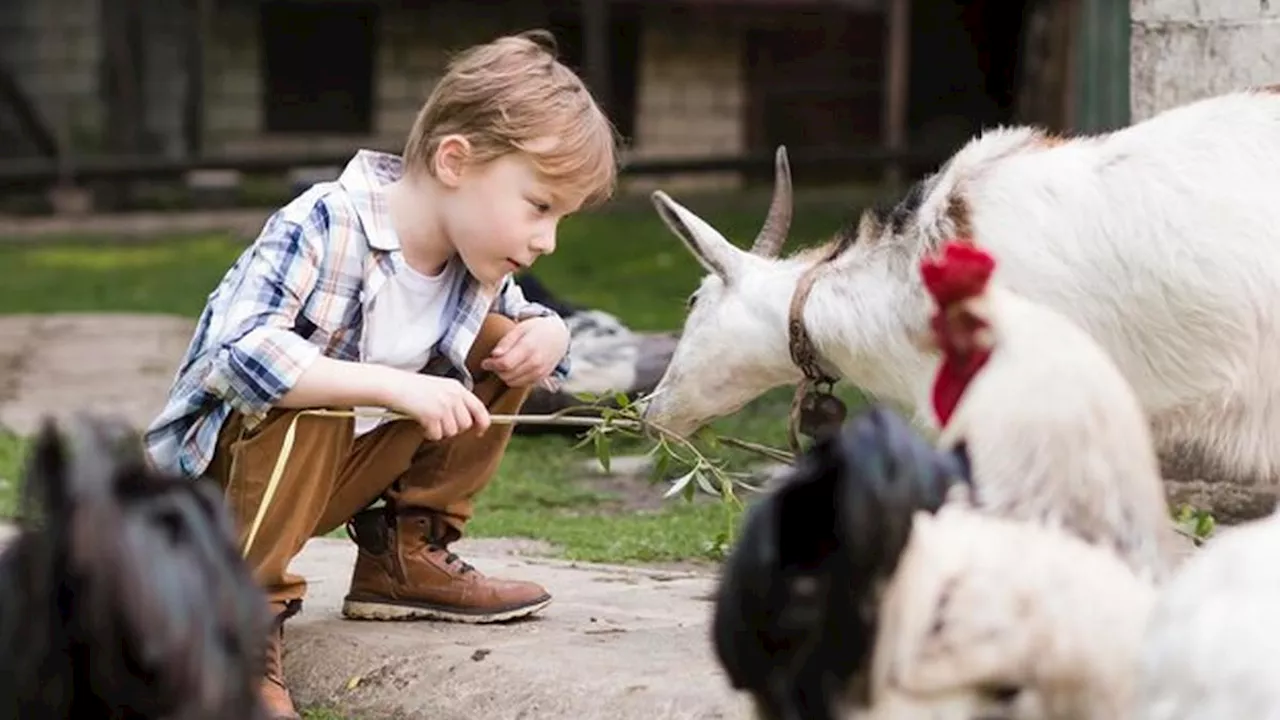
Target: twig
{"x": 783, "y": 456}
{"x": 598, "y": 426}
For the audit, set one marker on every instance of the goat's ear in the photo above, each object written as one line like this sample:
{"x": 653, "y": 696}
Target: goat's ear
{"x": 707, "y": 244}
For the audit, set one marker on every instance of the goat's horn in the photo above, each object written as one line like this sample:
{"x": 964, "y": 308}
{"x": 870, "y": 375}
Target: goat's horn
{"x": 778, "y": 222}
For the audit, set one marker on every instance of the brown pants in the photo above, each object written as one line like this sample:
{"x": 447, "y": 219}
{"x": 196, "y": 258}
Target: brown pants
{"x": 331, "y": 474}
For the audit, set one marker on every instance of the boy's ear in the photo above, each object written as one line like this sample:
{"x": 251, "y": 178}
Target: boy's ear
{"x": 451, "y": 159}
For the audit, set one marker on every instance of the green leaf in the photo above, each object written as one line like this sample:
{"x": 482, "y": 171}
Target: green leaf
{"x": 689, "y": 490}
{"x": 1205, "y": 525}
{"x": 621, "y": 399}
{"x": 661, "y": 465}
{"x": 705, "y": 484}
{"x": 679, "y": 484}
{"x": 602, "y": 450}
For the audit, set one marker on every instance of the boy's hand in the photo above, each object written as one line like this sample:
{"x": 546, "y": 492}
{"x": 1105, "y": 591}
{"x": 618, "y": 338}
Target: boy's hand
{"x": 529, "y": 352}
{"x": 442, "y": 406}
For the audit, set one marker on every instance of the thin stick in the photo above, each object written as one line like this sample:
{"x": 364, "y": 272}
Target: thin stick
{"x": 558, "y": 418}
{"x": 770, "y": 452}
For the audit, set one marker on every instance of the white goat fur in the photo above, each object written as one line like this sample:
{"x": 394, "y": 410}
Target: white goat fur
{"x": 1160, "y": 240}
{"x": 1079, "y": 455}
{"x": 980, "y": 603}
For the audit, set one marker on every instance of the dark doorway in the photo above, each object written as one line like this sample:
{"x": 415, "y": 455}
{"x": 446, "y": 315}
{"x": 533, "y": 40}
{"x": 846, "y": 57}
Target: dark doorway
{"x": 967, "y": 68}
{"x": 317, "y": 65}
{"x": 565, "y": 22}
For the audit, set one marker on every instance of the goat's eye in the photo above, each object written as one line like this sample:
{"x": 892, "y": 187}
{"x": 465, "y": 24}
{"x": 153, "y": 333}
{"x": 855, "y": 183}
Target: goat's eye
{"x": 688, "y": 304}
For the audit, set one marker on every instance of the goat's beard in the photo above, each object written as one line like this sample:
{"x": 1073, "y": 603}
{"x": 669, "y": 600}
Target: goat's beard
{"x": 128, "y": 599}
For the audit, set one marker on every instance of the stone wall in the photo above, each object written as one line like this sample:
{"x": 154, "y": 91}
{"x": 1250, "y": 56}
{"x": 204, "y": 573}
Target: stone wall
{"x": 1183, "y": 50}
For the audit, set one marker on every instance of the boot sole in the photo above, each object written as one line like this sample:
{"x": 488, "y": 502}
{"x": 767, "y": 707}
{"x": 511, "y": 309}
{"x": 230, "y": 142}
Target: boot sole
{"x": 382, "y": 610}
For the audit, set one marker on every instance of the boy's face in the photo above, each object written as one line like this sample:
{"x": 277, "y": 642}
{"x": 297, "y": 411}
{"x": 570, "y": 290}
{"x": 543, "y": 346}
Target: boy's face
{"x": 501, "y": 216}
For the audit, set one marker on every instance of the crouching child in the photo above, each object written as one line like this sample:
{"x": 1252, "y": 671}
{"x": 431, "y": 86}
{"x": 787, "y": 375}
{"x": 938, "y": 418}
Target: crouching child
{"x": 391, "y": 287}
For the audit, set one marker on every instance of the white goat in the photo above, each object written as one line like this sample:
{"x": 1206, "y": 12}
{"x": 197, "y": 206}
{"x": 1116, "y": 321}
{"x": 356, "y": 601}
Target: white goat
{"x": 1161, "y": 240}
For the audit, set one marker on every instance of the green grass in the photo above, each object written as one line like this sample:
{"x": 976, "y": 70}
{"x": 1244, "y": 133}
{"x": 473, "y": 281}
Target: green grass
{"x": 10, "y": 459}
{"x": 623, "y": 260}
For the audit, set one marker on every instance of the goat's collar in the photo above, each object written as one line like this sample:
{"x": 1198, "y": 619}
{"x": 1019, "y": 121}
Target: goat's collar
{"x": 822, "y": 413}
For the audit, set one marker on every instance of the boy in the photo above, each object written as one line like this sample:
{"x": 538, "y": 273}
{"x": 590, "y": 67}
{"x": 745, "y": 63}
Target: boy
{"x": 391, "y": 288}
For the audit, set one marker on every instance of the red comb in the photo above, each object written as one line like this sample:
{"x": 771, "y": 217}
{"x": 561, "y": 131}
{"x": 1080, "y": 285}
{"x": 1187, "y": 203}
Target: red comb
{"x": 961, "y": 273}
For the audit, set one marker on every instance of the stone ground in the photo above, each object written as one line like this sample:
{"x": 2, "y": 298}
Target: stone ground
{"x": 616, "y": 642}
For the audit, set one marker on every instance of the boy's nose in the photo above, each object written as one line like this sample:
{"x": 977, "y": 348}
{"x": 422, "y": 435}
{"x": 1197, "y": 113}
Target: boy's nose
{"x": 545, "y": 243}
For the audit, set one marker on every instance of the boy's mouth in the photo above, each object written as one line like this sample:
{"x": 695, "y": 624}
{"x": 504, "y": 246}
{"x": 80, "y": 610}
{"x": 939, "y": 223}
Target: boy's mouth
{"x": 515, "y": 265}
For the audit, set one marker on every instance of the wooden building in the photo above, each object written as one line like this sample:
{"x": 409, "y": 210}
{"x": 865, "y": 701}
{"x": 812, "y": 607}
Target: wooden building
{"x": 681, "y": 78}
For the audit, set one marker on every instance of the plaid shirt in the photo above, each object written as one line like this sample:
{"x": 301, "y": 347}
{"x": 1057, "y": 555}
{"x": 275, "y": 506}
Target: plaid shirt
{"x": 301, "y": 290}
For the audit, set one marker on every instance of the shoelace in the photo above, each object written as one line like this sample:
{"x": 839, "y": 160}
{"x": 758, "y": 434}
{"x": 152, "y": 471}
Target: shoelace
{"x": 450, "y": 557}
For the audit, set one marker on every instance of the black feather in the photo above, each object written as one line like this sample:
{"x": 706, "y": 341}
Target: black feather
{"x": 124, "y": 594}
{"x": 797, "y": 605}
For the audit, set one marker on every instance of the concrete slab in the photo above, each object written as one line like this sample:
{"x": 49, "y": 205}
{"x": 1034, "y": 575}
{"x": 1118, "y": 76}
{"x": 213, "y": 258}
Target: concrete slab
{"x": 116, "y": 363}
{"x": 616, "y": 642}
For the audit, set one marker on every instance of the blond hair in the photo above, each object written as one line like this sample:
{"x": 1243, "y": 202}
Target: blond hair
{"x": 514, "y": 95}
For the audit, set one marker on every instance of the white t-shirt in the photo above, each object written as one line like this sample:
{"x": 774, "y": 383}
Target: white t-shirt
{"x": 406, "y": 322}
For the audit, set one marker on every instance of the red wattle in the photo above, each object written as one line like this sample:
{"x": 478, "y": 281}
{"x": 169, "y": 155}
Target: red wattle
{"x": 954, "y": 375}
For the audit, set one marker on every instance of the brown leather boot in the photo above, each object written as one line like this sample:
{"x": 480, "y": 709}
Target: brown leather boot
{"x": 404, "y": 571}
{"x": 275, "y": 696}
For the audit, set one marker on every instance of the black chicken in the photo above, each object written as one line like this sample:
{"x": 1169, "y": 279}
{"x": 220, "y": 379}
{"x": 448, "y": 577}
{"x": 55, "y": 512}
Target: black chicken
{"x": 124, "y": 595}
{"x": 797, "y": 607}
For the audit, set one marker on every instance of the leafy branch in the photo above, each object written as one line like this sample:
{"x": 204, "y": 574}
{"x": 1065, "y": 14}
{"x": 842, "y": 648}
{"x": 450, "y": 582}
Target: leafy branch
{"x": 625, "y": 419}
{"x": 700, "y": 471}
{"x": 711, "y": 475}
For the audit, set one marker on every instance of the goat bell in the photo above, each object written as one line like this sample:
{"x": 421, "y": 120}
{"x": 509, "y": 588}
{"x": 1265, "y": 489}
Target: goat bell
{"x": 822, "y": 414}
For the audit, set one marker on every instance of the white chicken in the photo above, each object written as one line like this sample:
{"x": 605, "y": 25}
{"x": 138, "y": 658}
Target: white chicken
{"x": 1054, "y": 433}
{"x": 1212, "y": 644}
{"x": 989, "y": 617}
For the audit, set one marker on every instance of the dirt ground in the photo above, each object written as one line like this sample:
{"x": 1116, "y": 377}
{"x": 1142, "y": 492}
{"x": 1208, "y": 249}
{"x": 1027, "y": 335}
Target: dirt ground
{"x": 109, "y": 363}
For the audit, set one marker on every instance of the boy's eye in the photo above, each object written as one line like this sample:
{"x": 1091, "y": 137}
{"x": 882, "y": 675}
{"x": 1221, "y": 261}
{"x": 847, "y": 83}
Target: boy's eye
{"x": 541, "y": 206}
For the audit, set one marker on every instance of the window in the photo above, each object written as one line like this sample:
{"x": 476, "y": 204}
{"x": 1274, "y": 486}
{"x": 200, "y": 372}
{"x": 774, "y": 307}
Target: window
{"x": 317, "y": 65}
